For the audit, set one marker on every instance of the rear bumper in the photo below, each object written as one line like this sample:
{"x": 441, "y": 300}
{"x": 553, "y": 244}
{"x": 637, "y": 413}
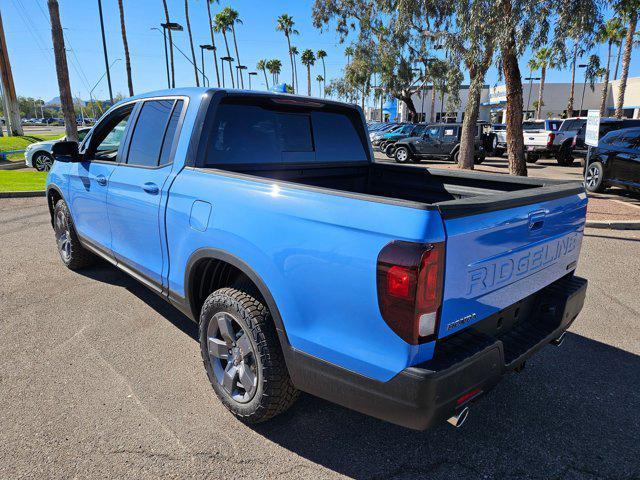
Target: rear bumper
{"x": 469, "y": 361}
{"x": 538, "y": 149}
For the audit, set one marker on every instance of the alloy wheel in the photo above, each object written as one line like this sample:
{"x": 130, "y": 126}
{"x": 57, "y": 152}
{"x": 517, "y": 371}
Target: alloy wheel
{"x": 232, "y": 357}
{"x": 63, "y": 236}
{"x": 401, "y": 155}
{"x": 592, "y": 177}
{"x": 42, "y": 163}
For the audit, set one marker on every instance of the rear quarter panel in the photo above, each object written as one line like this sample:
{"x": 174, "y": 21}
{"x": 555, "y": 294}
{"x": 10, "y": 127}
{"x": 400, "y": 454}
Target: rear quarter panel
{"x": 317, "y": 254}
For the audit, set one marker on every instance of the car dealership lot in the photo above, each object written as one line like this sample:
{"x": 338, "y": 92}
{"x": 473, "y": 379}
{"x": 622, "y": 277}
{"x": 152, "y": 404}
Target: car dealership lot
{"x": 100, "y": 378}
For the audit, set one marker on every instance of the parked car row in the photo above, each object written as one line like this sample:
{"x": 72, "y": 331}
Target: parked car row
{"x": 38, "y": 155}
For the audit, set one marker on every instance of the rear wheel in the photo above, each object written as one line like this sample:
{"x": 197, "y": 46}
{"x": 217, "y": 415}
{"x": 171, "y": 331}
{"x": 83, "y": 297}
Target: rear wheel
{"x": 402, "y": 155}
{"x": 390, "y": 150}
{"x": 565, "y": 156}
{"x": 242, "y": 356}
{"x": 593, "y": 179}
{"x": 479, "y": 159}
{"x": 498, "y": 152}
{"x": 531, "y": 158}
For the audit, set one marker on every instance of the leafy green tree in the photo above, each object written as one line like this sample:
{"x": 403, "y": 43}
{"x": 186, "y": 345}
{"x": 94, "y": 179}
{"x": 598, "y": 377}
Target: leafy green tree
{"x": 308, "y": 59}
{"x": 348, "y": 52}
{"x": 285, "y": 25}
{"x": 222, "y": 24}
{"x": 274, "y": 66}
{"x": 612, "y": 32}
{"x": 262, "y": 65}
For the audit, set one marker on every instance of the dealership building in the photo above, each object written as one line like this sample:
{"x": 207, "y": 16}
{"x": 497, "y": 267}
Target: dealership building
{"x": 493, "y": 101}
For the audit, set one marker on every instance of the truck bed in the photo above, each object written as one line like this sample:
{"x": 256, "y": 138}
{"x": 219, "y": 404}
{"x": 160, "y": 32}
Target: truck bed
{"x": 454, "y": 193}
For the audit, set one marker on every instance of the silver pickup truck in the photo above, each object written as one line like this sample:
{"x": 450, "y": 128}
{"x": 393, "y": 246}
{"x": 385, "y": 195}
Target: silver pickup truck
{"x": 538, "y": 138}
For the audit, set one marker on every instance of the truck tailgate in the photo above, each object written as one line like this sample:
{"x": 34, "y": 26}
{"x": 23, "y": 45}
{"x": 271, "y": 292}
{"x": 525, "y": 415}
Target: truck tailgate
{"x": 536, "y": 138}
{"x": 496, "y": 258}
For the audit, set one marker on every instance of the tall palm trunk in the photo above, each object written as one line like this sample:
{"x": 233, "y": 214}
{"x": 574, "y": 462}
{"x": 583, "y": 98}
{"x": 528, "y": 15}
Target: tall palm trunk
{"x": 573, "y": 81}
{"x": 543, "y": 74}
{"x": 626, "y": 60}
{"x": 226, "y": 44}
{"x": 513, "y": 82}
{"x": 319, "y": 88}
{"x": 62, "y": 71}
{"x": 235, "y": 44}
{"x": 193, "y": 52}
{"x": 615, "y": 74}
{"x": 213, "y": 42}
{"x": 433, "y": 104}
{"x": 605, "y": 83}
{"x": 168, "y": 20}
{"x": 324, "y": 78}
{"x": 266, "y": 81}
{"x": 296, "y": 86}
{"x": 293, "y": 67}
{"x": 127, "y": 59}
{"x": 309, "y": 79}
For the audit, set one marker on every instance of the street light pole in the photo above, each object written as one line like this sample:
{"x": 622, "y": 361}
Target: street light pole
{"x": 250, "y": 75}
{"x": 584, "y": 84}
{"x": 175, "y": 27}
{"x": 225, "y": 59}
{"x": 531, "y": 79}
{"x": 104, "y": 48}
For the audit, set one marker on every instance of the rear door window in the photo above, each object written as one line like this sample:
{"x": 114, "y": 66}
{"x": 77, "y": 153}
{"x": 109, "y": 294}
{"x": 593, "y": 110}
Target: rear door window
{"x": 148, "y": 135}
{"x": 449, "y": 134}
{"x": 265, "y": 133}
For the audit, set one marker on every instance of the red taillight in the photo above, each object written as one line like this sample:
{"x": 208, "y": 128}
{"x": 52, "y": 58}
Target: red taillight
{"x": 550, "y": 139}
{"x": 409, "y": 279}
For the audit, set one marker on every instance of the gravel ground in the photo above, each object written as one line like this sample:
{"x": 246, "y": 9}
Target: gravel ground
{"x": 100, "y": 378}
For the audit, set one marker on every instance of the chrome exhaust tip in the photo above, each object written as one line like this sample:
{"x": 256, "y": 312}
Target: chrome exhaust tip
{"x": 459, "y": 418}
{"x": 559, "y": 341}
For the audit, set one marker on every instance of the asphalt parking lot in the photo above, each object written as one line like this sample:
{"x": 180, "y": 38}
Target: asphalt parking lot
{"x": 100, "y": 378}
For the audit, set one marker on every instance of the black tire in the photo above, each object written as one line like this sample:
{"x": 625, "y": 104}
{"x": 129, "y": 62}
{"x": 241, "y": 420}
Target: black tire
{"x": 72, "y": 253}
{"x": 564, "y": 156}
{"x": 498, "y": 152}
{"x": 271, "y": 391}
{"x": 455, "y": 156}
{"x": 531, "y": 158}
{"x": 594, "y": 177}
{"x": 402, "y": 155}
{"x": 389, "y": 150}
{"x": 42, "y": 161}
{"x": 479, "y": 159}
{"x": 382, "y": 146}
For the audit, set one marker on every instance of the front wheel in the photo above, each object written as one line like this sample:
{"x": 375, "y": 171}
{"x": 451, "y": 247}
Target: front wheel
{"x": 242, "y": 356}
{"x": 565, "y": 156}
{"x": 390, "y": 150}
{"x": 593, "y": 179}
{"x": 402, "y": 155}
{"x": 72, "y": 253}
{"x": 42, "y": 161}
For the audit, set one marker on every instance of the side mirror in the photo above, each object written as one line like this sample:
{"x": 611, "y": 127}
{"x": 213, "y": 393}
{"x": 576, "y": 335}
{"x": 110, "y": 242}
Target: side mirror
{"x": 66, "y": 151}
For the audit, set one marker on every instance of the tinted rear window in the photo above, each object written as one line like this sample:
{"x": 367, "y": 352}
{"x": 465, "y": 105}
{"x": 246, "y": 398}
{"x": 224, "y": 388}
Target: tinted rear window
{"x": 533, "y": 126}
{"x": 266, "y": 133}
{"x": 146, "y": 141}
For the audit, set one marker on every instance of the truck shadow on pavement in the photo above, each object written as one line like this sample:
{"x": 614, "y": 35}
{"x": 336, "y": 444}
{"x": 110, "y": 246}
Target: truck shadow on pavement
{"x": 572, "y": 413}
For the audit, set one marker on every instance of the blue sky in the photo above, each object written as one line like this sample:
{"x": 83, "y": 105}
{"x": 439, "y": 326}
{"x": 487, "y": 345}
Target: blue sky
{"x": 29, "y": 41}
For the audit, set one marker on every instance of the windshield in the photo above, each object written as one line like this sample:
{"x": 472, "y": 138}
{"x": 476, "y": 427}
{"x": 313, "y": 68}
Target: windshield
{"x": 533, "y": 125}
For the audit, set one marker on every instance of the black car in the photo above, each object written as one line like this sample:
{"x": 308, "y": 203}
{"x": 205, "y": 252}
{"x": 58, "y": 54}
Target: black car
{"x": 615, "y": 161}
{"x": 579, "y": 148}
{"x": 440, "y": 140}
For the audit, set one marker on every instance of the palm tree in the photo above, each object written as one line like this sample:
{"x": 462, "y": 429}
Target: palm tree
{"x": 127, "y": 59}
{"x": 610, "y": 33}
{"x": 193, "y": 52}
{"x": 321, "y": 55}
{"x": 285, "y": 25}
{"x": 543, "y": 59}
{"x": 308, "y": 59}
{"x": 262, "y": 65}
{"x": 349, "y": 53}
{"x": 168, "y": 20}
{"x": 631, "y": 10}
{"x": 234, "y": 18}
{"x": 319, "y": 79}
{"x": 213, "y": 40}
{"x": 294, "y": 54}
{"x": 221, "y": 25}
{"x": 274, "y": 66}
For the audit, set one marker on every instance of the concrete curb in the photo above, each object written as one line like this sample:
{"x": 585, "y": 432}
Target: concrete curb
{"x": 12, "y": 166}
{"x": 38, "y": 193}
{"x": 614, "y": 224}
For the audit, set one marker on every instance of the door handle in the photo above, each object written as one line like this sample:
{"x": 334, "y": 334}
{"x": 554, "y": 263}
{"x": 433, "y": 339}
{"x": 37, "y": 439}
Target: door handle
{"x": 536, "y": 220}
{"x": 151, "y": 188}
{"x": 102, "y": 180}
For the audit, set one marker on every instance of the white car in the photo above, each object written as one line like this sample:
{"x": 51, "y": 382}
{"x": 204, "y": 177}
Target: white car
{"x": 38, "y": 155}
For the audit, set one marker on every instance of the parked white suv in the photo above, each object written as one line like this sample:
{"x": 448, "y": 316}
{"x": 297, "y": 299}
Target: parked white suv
{"x": 38, "y": 155}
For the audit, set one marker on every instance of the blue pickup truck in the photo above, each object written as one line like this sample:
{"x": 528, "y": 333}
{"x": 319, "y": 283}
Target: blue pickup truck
{"x": 402, "y": 292}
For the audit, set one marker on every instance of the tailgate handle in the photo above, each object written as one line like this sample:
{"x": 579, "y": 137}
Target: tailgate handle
{"x": 536, "y": 220}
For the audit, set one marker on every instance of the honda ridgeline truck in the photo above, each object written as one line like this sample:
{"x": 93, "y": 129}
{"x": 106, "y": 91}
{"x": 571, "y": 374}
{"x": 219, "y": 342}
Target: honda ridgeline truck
{"x": 401, "y": 292}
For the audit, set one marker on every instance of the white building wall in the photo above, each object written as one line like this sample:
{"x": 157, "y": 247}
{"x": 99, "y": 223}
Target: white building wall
{"x": 424, "y": 107}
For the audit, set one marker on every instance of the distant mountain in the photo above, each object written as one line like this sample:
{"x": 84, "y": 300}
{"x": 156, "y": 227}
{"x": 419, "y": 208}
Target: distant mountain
{"x": 55, "y": 102}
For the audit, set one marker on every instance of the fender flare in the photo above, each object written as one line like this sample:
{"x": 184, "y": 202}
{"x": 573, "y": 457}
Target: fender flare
{"x": 52, "y": 187}
{"x": 217, "y": 254}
